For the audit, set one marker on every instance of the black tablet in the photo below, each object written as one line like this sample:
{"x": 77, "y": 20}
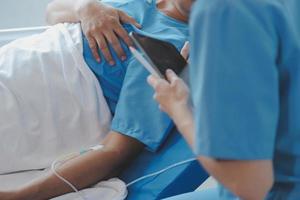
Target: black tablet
{"x": 160, "y": 55}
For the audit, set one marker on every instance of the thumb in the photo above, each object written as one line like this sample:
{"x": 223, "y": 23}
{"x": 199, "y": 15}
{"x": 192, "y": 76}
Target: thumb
{"x": 171, "y": 76}
{"x": 127, "y": 19}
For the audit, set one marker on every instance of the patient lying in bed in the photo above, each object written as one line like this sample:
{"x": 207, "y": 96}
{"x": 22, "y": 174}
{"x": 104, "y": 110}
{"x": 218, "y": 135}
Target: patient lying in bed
{"x": 57, "y": 99}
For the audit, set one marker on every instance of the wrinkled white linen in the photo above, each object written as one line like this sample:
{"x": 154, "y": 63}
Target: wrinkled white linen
{"x": 51, "y": 103}
{"x": 112, "y": 189}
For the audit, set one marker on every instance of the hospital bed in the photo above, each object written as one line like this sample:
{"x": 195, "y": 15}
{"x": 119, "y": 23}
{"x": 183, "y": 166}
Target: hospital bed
{"x": 183, "y": 178}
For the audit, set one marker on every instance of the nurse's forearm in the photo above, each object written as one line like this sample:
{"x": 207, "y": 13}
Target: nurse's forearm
{"x": 185, "y": 124}
{"x": 85, "y": 170}
{"x": 249, "y": 180}
{"x": 59, "y": 11}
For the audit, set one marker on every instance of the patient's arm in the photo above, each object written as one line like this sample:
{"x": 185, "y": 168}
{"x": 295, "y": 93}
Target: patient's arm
{"x": 99, "y": 23}
{"x": 83, "y": 171}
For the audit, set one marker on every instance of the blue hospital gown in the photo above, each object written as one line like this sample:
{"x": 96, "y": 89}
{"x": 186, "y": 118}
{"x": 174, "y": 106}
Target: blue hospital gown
{"x": 124, "y": 85}
{"x": 245, "y": 79}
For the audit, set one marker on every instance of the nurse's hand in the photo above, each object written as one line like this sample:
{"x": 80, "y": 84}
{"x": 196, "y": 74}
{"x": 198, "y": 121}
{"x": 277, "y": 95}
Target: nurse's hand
{"x": 172, "y": 95}
{"x": 101, "y": 25}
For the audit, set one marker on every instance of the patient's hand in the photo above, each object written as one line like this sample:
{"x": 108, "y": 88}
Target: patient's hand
{"x": 101, "y": 23}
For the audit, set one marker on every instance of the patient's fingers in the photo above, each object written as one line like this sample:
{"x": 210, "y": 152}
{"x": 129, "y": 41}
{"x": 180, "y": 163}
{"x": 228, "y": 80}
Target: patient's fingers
{"x": 127, "y": 19}
{"x": 115, "y": 43}
{"x": 185, "y": 50}
{"x": 123, "y": 35}
{"x": 93, "y": 45}
{"x": 104, "y": 49}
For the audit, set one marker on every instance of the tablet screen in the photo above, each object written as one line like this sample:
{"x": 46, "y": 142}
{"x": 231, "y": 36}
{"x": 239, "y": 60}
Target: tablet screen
{"x": 162, "y": 55}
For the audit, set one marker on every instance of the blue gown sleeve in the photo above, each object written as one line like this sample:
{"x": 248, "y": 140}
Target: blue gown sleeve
{"x": 137, "y": 114}
{"x": 234, "y": 79}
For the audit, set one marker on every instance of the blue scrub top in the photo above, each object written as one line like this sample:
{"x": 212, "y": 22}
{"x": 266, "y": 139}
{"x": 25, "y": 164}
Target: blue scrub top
{"x": 125, "y": 86}
{"x": 245, "y": 82}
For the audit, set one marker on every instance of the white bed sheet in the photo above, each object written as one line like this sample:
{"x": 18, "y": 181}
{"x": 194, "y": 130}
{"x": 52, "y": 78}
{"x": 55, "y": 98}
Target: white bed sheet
{"x": 113, "y": 189}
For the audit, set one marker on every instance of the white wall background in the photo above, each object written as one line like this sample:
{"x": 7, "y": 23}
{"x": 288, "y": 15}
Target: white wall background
{"x": 22, "y": 13}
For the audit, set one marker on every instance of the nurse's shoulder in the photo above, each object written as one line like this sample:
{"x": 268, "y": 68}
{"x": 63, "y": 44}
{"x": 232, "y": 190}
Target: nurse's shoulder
{"x": 250, "y": 13}
{"x": 261, "y": 6}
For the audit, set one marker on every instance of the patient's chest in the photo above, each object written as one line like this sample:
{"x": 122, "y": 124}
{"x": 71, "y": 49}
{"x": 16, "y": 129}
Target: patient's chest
{"x": 154, "y": 24}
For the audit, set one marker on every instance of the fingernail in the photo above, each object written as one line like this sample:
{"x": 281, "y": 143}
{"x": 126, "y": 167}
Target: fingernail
{"x": 98, "y": 60}
{"x": 111, "y": 63}
{"x": 123, "y": 58}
